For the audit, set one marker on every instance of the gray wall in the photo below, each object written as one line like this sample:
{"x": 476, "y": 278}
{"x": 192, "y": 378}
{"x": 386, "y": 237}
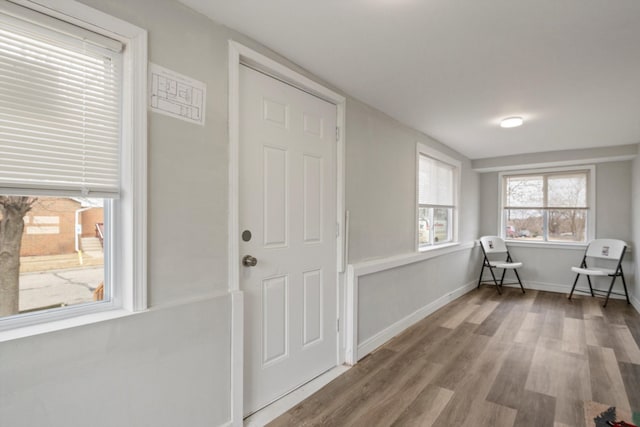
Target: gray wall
{"x": 635, "y": 197}
{"x": 381, "y": 185}
{"x": 171, "y": 365}
{"x": 166, "y": 367}
{"x": 390, "y": 296}
{"x": 489, "y": 203}
{"x": 613, "y": 204}
{"x": 381, "y": 199}
{"x": 548, "y": 267}
{"x": 547, "y": 158}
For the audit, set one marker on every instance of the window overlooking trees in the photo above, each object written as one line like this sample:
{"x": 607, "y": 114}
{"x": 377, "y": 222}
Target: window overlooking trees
{"x": 552, "y": 206}
{"x": 437, "y": 197}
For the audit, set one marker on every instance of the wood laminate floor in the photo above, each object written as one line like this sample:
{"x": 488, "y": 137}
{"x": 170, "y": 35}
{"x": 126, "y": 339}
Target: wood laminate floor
{"x": 491, "y": 360}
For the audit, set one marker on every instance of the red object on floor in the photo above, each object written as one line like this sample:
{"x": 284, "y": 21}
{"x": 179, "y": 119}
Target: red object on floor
{"x": 621, "y": 424}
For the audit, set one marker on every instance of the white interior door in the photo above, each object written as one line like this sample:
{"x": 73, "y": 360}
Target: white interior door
{"x": 288, "y": 224}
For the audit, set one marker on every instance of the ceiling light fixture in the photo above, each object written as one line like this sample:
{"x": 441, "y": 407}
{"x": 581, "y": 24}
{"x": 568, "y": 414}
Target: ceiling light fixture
{"x": 511, "y": 122}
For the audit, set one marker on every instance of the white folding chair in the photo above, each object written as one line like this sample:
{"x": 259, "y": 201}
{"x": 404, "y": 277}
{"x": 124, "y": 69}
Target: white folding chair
{"x": 602, "y": 251}
{"x": 494, "y": 250}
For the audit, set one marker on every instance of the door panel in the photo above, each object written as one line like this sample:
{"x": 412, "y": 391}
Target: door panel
{"x": 274, "y": 312}
{"x": 312, "y": 199}
{"x": 288, "y": 202}
{"x": 312, "y": 282}
{"x": 275, "y": 196}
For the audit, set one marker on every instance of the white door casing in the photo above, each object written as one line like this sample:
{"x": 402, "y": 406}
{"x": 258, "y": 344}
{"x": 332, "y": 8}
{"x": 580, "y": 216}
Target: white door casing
{"x": 287, "y": 201}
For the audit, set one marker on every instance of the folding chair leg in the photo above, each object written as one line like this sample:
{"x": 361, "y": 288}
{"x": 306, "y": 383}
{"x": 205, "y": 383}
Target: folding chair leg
{"x": 609, "y": 292}
{"x": 590, "y": 286}
{"x": 624, "y": 283}
{"x": 504, "y": 271}
{"x": 575, "y": 282}
{"x": 519, "y": 281}
{"x": 626, "y": 294}
{"x": 480, "y": 278}
{"x": 495, "y": 281}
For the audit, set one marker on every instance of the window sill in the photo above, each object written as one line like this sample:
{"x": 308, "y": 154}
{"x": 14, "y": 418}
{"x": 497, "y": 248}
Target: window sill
{"x": 578, "y": 246}
{"x": 555, "y": 245}
{"x": 58, "y": 325}
{"x": 437, "y": 247}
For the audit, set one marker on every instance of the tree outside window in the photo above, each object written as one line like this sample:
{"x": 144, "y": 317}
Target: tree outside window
{"x": 51, "y": 253}
{"x": 550, "y": 206}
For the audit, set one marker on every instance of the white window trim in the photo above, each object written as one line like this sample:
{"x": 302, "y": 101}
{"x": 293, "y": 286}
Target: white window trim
{"x": 428, "y": 151}
{"x": 129, "y": 262}
{"x": 591, "y": 197}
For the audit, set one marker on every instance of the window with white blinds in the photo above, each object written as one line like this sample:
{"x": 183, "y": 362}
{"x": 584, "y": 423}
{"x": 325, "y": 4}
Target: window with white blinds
{"x": 552, "y": 205}
{"x": 437, "y": 197}
{"x": 73, "y": 152}
{"x": 435, "y": 182}
{"x": 60, "y": 100}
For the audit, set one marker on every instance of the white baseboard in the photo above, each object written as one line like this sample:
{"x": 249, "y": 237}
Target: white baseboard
{"x": 538, "y": 286}
{"x": 386, "y": 334}
{"x": 558, "y": 288}
{"x": 355, "y": 271}
{"x": 549, "y": 287}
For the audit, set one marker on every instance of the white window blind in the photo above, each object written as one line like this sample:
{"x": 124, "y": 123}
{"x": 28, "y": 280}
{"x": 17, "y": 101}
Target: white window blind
{"x": 59, "y": 109}
{"x": 435, "y": 183}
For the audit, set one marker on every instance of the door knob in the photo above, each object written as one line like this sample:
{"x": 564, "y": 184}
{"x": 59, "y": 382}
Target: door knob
{"x": 249, "y": 261}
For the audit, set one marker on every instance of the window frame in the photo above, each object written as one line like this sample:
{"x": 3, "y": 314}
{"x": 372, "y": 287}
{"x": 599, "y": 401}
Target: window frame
{"x": 456, "y": 165}
{"x": 590, "y": 229}
{"x": 127, "y": 267}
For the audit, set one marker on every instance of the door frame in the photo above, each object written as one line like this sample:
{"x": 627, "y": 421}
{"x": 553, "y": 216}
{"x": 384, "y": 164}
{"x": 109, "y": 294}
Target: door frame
{"x": 240, "y": 54}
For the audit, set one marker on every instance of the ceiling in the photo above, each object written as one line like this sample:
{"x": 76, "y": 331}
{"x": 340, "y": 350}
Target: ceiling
{"x": 453, "y": 68}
